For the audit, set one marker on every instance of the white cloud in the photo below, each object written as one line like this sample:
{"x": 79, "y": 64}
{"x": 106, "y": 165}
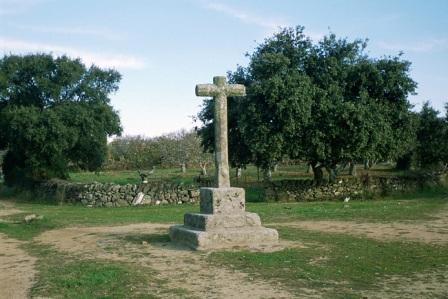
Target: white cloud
{"x": 271, "y": 25}
{"x": 423, "y": 46}
{"x": 101, "y": 33}
{"x": 12, "y": 7}
{"x": 249, "y": 18}
{"x": 8, "y": 46}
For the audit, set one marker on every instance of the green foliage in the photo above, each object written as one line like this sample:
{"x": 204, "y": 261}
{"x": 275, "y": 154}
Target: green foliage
{"x": 54, "y": 113}
{"x": 432, "y": 139}
{"x": 326, "y": 103}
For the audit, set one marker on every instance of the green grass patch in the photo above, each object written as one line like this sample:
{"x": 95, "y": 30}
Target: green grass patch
{"x": 64, "y": 276}
{"x": 338, "y": 265}
{"x": 59, "y": 216}
{"x": 413, "y": 206}
{"x": 15, "y": 226}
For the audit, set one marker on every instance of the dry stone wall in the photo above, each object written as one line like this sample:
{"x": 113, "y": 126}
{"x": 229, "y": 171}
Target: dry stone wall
{"x": 158, "y": 193}
{"x": 347, "y": 188}
{"x": 113, "y": 195}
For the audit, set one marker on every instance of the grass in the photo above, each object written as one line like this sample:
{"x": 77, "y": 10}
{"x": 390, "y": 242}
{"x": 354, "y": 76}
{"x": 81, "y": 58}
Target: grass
{"x": 59, "y": 216}
{"x": 338, "y": 265}
{"x": 65, "y": 276}
{"x": 393, "y": 208}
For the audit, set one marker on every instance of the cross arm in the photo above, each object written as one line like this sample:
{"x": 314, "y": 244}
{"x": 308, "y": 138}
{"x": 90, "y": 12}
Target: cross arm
{"x": 235, "y": 90}
{"x": 206, "y": 90}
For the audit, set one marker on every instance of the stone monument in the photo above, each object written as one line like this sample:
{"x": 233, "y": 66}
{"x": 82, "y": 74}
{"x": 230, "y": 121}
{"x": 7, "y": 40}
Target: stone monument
{"x": 222, "y": 221}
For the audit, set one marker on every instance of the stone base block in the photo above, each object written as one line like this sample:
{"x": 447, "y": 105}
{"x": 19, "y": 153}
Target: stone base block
{"x": 201, "y": 221}
{"x": 223, "y": 237}
{"x": 222, "y": 200}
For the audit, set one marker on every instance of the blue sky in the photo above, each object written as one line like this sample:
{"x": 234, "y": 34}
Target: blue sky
{"x": 164, "y": 48}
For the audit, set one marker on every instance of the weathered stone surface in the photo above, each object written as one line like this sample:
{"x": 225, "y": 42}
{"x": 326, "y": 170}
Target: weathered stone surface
{"x": 222, "y": 200}
{"x": 217, "y": 221}
{"x": 219, "y": 90}
{"x": 223, "y": 237}
{"x": 138, "y": 199}
{"x": 223, "y": 222}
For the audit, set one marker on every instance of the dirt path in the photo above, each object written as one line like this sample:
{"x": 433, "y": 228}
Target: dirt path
{"x": 145, "y": 244}
{"x": 7, "y": 208}
{"x": 16, "y": 269}
{"x": 431, "y": 231}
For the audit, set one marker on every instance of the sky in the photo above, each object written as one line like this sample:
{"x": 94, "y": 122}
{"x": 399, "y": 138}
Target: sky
{"x": 163, "y": 48}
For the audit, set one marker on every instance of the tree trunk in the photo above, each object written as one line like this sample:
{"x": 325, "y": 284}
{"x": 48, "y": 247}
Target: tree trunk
{"x": 239, "y": 172}
{"x": 275, "y": 167}
{"x": 331, "y": 175}
{"x": 183, "y": 168}
{"x": 318, "y": 175}
{"x": 309, "y": 169}
{"x": 267, "y": 174}
{"x": 203, "y": 170}
{"x": 258, "y": 174}
{"x": 366, "y": 164}
{"x": 352, "y": 170}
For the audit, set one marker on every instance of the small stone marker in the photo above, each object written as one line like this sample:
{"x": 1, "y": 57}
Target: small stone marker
{"x": 222, "y": 221}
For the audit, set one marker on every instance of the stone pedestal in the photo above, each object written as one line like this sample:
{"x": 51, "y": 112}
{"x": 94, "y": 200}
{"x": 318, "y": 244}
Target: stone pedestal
{"x": 222, "y": 223}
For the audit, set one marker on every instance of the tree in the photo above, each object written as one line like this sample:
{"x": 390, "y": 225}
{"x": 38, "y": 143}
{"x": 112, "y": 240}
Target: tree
{"x": 263, "y": 124}
{"x": 361, "y": 110}
{"x": 54, "y": 112}
{"x": 133, "y": 152}
{"x": 326, "y": 103}
{"x": 183, "y": 148}
{"x": 432, "y": 141}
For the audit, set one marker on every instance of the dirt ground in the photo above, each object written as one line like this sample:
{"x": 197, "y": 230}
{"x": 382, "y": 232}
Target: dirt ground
{"x": 144, "y": 245}
{"x": 180, "y": 267}
{"x": 16, "y": 269}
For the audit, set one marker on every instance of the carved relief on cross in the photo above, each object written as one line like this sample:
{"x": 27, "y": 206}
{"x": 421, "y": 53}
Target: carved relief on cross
{"x": 220, "y": 90}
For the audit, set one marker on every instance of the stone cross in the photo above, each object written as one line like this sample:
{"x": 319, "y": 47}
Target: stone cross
{"x": 220, "y": 90}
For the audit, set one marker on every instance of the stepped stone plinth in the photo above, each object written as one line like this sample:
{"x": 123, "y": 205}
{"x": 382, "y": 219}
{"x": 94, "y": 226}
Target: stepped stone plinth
{"x": 222, "y": 223}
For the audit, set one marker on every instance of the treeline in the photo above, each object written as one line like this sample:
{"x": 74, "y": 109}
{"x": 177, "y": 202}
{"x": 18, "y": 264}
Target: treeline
{"x": 178, "y": 149}
{"x": 327, "y": 104}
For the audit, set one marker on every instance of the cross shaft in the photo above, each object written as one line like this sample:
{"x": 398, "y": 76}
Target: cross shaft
{"x": 220, "y": 90}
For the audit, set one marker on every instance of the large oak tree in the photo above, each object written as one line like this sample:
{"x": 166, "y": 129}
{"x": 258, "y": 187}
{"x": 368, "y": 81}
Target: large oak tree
{"x": 54, "y": 113}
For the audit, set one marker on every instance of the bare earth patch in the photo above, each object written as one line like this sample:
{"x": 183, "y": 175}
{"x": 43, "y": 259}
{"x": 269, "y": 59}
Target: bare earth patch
{"x": 433, "y": 231}
{"x": 422, "y": 285}
{"x": 16, "y": 269}
{"x": 146, "y": 245}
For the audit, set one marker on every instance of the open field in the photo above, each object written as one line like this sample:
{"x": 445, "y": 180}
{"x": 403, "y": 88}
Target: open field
{"x": 249, "y": 175}
{"x": 389, "y": 248}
